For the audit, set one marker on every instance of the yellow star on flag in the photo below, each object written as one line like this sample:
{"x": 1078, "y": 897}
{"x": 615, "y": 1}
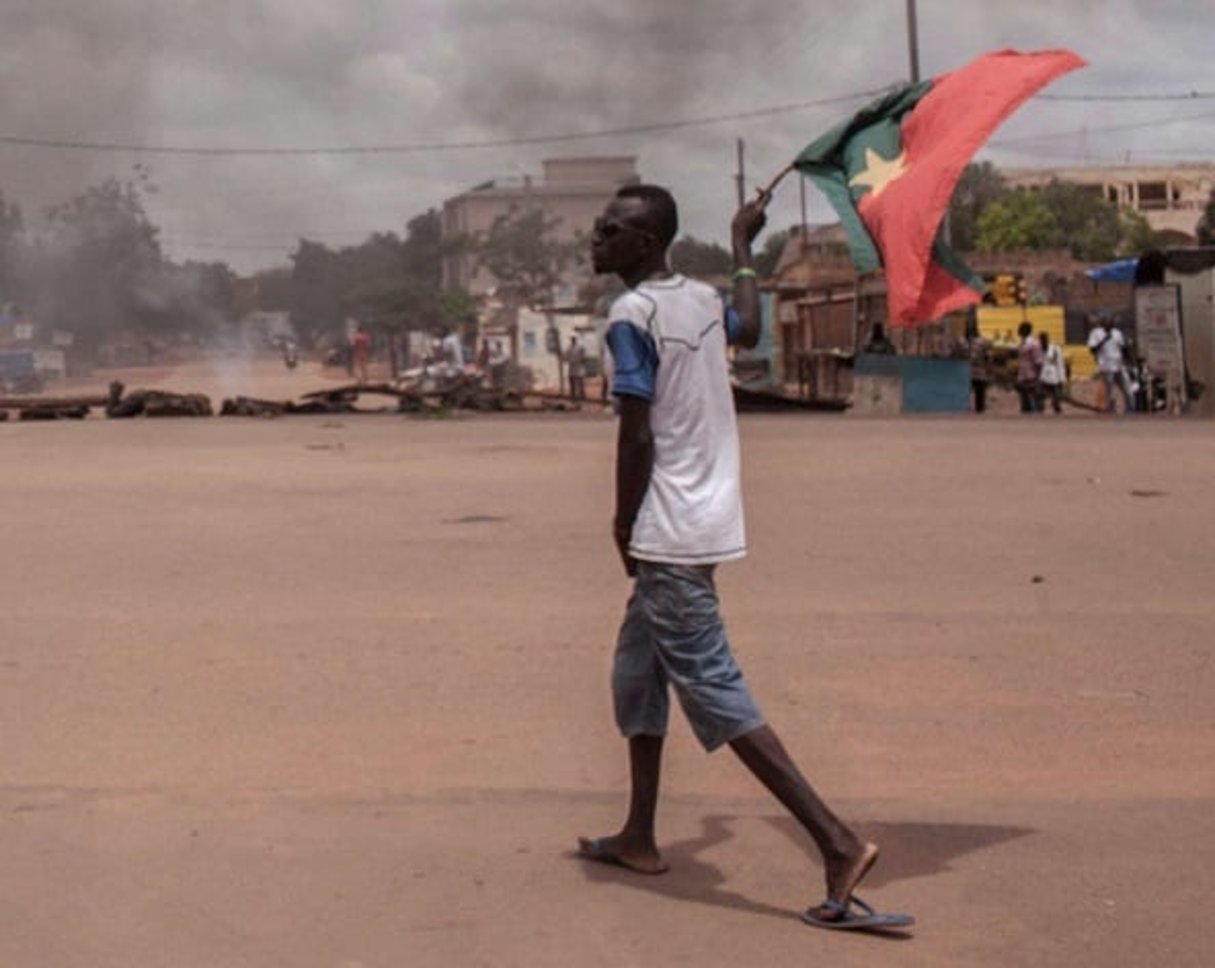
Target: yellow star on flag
{"x": 879, "y": 172}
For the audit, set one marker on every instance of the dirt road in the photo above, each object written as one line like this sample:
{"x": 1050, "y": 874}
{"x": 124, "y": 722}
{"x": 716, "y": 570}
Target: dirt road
{"x": 333, "y": 692}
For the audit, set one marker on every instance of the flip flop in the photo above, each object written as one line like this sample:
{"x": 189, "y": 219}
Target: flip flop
{"x": 596, "y": 850}
{"x": 845, "y": 919}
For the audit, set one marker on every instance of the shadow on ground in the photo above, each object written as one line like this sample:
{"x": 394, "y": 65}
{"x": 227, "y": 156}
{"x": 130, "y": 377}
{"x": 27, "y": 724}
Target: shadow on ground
{"x": 909, "y": 850}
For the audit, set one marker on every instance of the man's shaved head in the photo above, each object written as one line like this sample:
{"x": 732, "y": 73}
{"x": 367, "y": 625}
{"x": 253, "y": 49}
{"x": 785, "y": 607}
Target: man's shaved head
{"x": 661, "y": 213}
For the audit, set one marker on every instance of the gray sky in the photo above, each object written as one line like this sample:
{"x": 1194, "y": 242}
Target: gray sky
{"x": 370, "y": 73}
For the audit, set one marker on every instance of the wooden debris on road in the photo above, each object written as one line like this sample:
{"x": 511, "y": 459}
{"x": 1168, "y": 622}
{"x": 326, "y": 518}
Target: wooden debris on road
{"x": 51, "y": 403}
{"x": 156, "y": 403}
{"x": 52, "y": 413}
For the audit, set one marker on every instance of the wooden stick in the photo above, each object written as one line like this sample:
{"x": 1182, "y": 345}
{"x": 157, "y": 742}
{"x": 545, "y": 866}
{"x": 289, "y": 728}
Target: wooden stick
{"x": 767, "y": 192}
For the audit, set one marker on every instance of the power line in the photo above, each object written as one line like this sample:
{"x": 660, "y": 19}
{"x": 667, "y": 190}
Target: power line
{"x": 1100, "y": 129}
{"x": 67, "y": 144}
{"x": 1190, "y": 96}
{"x": 426, "y": 147}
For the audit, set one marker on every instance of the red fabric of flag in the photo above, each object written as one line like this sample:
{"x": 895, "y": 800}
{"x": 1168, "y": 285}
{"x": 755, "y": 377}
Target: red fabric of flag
{"x": 939, "y": 137}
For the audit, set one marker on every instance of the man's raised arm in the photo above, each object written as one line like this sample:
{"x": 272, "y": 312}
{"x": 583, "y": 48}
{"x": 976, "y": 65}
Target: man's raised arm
{"x": 748, "y": 222}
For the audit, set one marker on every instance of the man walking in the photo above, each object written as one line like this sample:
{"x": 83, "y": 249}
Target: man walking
{"x": 1106, "y": 342}
{"x": 678, "y": 515}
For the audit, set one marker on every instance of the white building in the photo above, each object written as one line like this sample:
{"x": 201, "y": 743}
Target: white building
{"x": 1170, "y": 197}
{"x": 572, "y": 191}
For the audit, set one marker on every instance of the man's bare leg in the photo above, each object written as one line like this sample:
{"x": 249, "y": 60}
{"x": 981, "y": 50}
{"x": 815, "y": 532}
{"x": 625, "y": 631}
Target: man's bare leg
{"x": 635, "y": 846}
{"x": 846, "y": 858}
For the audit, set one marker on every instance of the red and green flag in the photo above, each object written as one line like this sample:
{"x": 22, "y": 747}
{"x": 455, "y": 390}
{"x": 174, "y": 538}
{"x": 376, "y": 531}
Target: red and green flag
{"x": 890, "y": 171}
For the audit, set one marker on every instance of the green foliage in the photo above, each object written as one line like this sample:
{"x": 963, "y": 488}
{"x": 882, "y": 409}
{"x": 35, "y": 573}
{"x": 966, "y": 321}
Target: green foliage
{"x": 980, "y": 185}
{"x": 12, "y": 242}
{"x": 273, "y": 289}
{"x": 196, "y": 297}
{"x": 97, "y": 269}
{"x": 1089, "y": 224}
{"x": 769, "y": 256}
{"x": 1206, "y": 224}
{"x": 456, "y": 307}
{"x": 1022, "y": 220}
{"x": 1062, "y": 215}
{"x": 521, "y": 253}
{"x": 1137, "y": 235}
{"x": 100, "y": 265}
{"x": 701, "y": 260}
{"x": 424, "y": 248}
{"x": 316, "y": 290}
{"x": 385, "y": 282}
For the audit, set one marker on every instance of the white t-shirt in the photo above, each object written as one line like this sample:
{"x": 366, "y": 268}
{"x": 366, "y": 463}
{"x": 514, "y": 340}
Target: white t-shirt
{"x": 452, "y": 349}
{"x": 1054, "y": 370}
{"x": 1109, "y": 356}
{"x": 668, "y": 339}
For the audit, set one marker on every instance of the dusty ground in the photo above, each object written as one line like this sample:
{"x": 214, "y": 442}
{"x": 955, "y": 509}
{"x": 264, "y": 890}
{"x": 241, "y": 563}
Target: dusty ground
{"x": 333, "y": 692}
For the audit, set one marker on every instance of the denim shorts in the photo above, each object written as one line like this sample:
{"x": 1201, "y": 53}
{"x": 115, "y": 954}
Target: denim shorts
{"x": 673, "y": 635}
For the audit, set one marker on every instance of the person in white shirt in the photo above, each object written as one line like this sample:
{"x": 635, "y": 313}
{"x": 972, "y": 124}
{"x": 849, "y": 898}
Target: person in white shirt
{"x": 451, "y": 349}
{"x": 1053, "y": 375}
{"x": 678, "y": 515}
{"x": 1106, "y": 342}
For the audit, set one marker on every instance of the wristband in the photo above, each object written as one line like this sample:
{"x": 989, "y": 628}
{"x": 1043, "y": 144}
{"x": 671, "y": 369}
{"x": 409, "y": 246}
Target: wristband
{"x": 743, "y": 273}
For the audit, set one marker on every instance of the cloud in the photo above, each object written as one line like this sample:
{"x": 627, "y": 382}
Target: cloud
{"x": 291, "y": 73}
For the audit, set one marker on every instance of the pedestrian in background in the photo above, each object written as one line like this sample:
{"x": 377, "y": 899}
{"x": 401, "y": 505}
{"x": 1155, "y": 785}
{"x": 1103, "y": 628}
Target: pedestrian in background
{"x": 575, "y": 361}
{"x": 978, "y": 350}
{"x": 1029, "y": 367}
{"x": 1052, "y": 378}
{"x": 361, "y": 353}
{"x": 1106, "y": 342}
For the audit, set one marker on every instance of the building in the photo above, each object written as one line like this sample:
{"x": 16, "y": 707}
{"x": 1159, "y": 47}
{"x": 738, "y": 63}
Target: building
{"x": 571, "y": 191}
{"x": 1170, "y": 197}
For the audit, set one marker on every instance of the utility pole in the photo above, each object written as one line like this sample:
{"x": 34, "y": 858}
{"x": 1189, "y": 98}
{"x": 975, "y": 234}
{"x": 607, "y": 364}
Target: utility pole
{"x": 913, "y": 42}
{"x": 913, "y": 53}
{"x": 801, "y": 185}
{"x": 740, "y": 179}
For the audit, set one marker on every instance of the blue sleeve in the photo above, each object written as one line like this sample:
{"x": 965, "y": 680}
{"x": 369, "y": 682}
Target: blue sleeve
{"x": 635, "y": 359}
{"x": 733, "y": 324}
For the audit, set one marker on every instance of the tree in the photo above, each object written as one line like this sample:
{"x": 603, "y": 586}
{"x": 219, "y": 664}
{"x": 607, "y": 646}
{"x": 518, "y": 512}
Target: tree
{"x": 316, "y": 291}
{"x": 1063, "y": 215}
{"x": 1022, "y": 220}
{"x": 12, "y": 241}
{"x": 385, "y": 282}
{"x": 769, "y": 256}
{"x": 197, "y": 298}
{"x": 273, "y": 290}
{"x": 424, "y": 248}
{"x": 423, "y": 253}
{"x": 701, "y": 260}
{"x": 1088, "y": 224}
{"x": 980, "y": 185}
{"x": 1138, "y": 236}
{"x": 99, "y": 263}
{"x": 1206, "y": 224}
{"x": 97, "y": 269}
{"x": 520, "y": 251}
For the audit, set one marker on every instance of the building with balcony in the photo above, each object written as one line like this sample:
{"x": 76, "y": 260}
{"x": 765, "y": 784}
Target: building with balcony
{"x": 571, "y": 192}
{"x": 1170, "y": 197}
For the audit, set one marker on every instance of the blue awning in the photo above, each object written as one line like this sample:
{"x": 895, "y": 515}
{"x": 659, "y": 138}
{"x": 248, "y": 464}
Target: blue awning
{"x": 1121, "y": 271}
